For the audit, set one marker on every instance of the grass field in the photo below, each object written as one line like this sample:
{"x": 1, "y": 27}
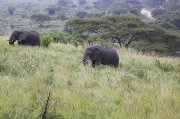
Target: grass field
{"x": 37, "y": 82}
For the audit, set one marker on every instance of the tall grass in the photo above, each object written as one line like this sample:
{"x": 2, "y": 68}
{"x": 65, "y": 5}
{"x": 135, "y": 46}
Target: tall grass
{"x": 141, "y": 87}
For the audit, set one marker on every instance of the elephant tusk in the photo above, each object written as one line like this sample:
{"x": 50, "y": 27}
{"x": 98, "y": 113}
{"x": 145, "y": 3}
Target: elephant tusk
{"x": 85, "y": 62}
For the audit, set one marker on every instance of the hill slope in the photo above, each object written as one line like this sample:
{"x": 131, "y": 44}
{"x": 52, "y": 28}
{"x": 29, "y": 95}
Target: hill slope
{"x": 141, "y": 87}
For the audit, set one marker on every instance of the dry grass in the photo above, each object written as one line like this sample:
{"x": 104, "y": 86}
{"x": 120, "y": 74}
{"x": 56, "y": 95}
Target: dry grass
{"x": 143, "y": 86}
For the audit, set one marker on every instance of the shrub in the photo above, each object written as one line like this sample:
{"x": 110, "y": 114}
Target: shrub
{"x": 46, "y": 40}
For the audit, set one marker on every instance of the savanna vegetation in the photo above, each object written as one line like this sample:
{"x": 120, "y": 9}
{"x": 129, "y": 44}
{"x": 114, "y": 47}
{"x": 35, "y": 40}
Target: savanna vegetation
{"x": 49, "y": 82}
{"x": 106, "y": 22}
{"x": 40, "y": 82}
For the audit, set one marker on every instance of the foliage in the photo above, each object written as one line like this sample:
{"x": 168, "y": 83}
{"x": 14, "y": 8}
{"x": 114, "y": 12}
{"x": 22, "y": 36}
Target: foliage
{"x": 125, "y": 29}
{"x": 61, "y": 38}
{"x": 11, "y": 10}
{"x": 171, "y": 5}
{"x": 81, "y": 14}
{"x": 68, "y": 30}
{"x": 46, "y": 40}
{"x": 134, "y": 90}
{"x": 153, "y": 3}
{"x": 158, "y": 12}
{"x": 82, "y": 2}
{"x": 111, "y": 27}
{"x": 165, "y": 42}
{"x": 168, "y": 15}
{"x": 62, "y": 16}
{"x": 51, "y": 10}
{"x": 117, "y": 11}
{"x": 40, "y": 18}
{"x": 64, "y": 2}
{"x": 94, "y": 15}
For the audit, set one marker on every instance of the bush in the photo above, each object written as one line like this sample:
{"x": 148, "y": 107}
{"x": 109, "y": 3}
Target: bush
{"x": 46, "y": 40}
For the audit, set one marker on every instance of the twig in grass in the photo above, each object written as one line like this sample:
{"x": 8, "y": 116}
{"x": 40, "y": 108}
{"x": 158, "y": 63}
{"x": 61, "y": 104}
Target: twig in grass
{"x": 46, "y": 106}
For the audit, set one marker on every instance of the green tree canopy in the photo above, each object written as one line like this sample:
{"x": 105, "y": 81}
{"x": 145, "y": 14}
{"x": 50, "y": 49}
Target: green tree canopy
{"x": 40, "y": 18}
{"x": 62, "y": 16}
{"x": 125, "y": 29}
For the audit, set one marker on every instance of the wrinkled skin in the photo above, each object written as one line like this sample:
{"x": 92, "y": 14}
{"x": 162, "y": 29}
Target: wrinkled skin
{"x": 25, "y": 38}
{"x": 101, "y": 55}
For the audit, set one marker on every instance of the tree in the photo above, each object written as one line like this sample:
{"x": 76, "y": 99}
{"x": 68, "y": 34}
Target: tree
{"x": 64, "y": 2}
{"x": 153, "y": 3}
{"x": 81, "y": 14}
{"x": 82, "y": 2}
{"x": 103, "y": 5}
{"x": 62, "y": 17}
{"x": 51, "y": 10}
{"x": 158, "y": 13}
{"x": 11, "y": 10}
{"x": 171, "y": 5}
{"x": 117, "y": 11}
{"x": 40, "y": 18}
{"x": 172, "y": 17}
{"x": 94, "y": 15}
{"x": 167, "y": 41}
{"x": 125, "y": 29}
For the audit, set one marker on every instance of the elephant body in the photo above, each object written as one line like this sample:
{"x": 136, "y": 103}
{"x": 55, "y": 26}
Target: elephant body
{"x": 25, "y": 38}
{"x": 99, "y": 54}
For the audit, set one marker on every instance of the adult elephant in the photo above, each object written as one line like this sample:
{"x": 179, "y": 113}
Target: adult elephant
{"x": 99, "y": 54}
{"x": 25, "y": 38}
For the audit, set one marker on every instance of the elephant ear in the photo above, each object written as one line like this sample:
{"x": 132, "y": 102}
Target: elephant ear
{"x": 22, "y": 37}
{"x": 97, "y": 54}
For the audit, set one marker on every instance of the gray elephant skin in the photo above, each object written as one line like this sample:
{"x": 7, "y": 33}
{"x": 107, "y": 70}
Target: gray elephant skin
{"x": 25, "y": 38}
{"x": 101, "y": 55}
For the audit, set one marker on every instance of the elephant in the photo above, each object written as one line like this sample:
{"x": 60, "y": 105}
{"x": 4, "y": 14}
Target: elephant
{"x": 101, "y": 55}
{"x": 31, "y": 38}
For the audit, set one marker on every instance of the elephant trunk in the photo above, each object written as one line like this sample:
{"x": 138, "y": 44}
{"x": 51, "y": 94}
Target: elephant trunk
{"x": 85, "y": 59}
{"x": 12, "y": 40}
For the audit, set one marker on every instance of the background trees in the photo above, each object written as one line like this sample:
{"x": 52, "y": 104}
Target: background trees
{"x": 82, "y": 2}
{"x": 134, "y": 33}
{"x": 168, "y": 16}
{"x": 126, "y": 29}
{"x": 11, "y": 10}
{"x": 62, "y": 16}
{"x": 64, "y": 2}
{"x": 40, "y": 18}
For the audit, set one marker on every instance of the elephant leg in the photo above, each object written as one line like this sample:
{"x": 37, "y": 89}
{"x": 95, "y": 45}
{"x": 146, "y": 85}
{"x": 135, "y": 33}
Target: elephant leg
{"x": 93, "y": 63}
{"x": 97, "y": 63}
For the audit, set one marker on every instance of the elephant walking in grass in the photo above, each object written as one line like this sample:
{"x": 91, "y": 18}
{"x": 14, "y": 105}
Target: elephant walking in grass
{"x": 98, "y": 54}
{"x": 25, "y": 38}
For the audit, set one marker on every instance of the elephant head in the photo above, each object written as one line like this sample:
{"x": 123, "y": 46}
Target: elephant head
{"x": 14, "y": 36}
{"x": 93, "y": 53}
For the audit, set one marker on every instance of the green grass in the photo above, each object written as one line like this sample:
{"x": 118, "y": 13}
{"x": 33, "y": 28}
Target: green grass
{"x": 142, "y": 87}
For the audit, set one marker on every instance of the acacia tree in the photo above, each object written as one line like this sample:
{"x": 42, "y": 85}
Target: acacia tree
{"x": 40, "y": 18}
{"x": 125, "y": 29}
